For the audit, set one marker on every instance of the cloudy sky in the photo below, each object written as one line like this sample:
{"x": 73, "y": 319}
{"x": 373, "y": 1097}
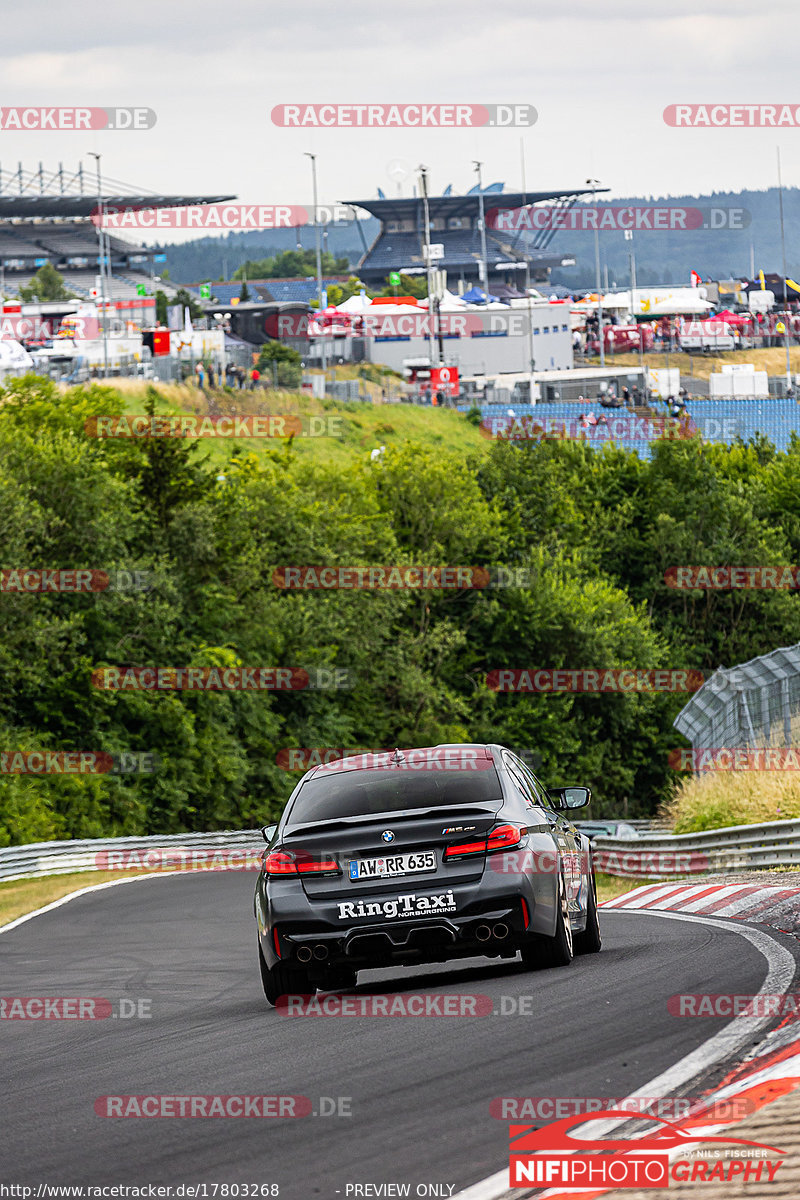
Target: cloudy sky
{"x": 599, "y": 72}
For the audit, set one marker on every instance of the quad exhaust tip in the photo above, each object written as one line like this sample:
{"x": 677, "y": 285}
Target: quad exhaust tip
{"x": 500, "y": 930}
{"x": 483, "y": 933}
{"x": 320, "y": 952}
{"x": 304, "y": 954}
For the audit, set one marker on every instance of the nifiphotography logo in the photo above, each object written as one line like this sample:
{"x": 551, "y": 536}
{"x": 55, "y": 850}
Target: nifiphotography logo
{"x": 551, "y": 1156}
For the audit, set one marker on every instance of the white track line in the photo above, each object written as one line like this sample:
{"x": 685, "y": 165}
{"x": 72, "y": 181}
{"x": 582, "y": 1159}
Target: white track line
{"x": 780, "y": 973}
{"x": 96, "y": 887}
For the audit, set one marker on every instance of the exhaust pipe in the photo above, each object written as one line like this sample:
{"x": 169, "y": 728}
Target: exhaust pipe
{"x": 320, "y": 952}
{"x": 500, "y": 930}
{"x": 483, "y": 933}
{"x": 304, "y": 954}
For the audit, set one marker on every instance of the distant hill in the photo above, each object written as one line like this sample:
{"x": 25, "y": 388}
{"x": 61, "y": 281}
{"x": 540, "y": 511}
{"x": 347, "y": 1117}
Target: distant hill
{"x": 661, "y": 257}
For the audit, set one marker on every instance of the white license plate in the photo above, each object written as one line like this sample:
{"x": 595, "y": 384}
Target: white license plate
{"x": 393, "y": 864}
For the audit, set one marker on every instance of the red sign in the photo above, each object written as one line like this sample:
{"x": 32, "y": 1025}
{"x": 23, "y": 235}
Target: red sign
{"x": 160, "y": 341}
{"x": 445, "y": 380}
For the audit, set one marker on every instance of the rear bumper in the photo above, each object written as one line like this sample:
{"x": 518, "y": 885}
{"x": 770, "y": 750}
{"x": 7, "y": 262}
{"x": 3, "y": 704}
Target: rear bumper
{"x": 489, "y": 920}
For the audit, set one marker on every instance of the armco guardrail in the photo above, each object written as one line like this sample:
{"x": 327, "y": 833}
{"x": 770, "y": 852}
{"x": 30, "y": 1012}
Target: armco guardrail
{"x": 652, "y": 856}
{"x": 226, "y": 850}
{"x": 717, "y": 851}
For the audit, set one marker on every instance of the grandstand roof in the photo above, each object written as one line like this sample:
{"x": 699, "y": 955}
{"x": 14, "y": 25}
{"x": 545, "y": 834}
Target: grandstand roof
{"x": 28, "y": 205}
{"x": 405, "y": 207}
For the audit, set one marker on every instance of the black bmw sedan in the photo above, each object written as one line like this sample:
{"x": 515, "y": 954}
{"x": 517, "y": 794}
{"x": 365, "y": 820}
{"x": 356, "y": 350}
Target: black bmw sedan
{"x": 419, "y": 856}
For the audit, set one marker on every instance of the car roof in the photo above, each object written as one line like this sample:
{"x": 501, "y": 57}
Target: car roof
{"x": 400, "y": 758}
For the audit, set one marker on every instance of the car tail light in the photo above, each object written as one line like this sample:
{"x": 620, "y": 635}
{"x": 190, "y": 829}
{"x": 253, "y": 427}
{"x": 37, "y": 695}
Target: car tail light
{"x": 298, "y": 862}
{"x": 500, "y": 838}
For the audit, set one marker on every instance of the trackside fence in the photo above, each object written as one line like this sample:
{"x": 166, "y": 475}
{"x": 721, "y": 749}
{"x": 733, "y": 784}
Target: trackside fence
{"x": 650, "y": 856}
{"x": 717, "y": 851}
{"x": 226, "y": 850}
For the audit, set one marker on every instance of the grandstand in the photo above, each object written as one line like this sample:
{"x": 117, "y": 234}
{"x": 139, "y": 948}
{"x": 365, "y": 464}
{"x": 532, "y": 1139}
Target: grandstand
{"x": 721, "y": 421}
{"x": 303, "y": 290}
{"x": 45, "y": 217}
{"x": 512, "y": 258}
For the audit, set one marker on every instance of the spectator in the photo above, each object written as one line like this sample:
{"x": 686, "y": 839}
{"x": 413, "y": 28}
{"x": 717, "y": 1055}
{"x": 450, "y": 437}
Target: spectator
{"x": 255, "y": 375}
{"x": 201, "y": 375}
{"x": 211, "y": 375}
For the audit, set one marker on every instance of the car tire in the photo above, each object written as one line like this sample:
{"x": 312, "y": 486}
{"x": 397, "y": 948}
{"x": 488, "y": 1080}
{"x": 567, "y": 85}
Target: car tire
{"x": 589, "y": 941}
{"x": 556, "y": 951}
{"x": 281, "y": 980}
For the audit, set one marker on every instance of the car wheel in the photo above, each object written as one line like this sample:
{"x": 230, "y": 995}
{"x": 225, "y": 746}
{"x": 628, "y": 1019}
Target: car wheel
{"x": 589, "y": 942}
{"x": 554, "y": 951}
{"x": 281, "y": 980}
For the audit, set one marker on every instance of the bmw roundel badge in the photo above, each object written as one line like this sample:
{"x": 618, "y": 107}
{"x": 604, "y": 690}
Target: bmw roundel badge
{"x": 387, "y": 836}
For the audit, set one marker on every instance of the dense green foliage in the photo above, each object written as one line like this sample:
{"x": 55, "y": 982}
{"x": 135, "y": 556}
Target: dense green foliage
{"x": 594, "y": 529}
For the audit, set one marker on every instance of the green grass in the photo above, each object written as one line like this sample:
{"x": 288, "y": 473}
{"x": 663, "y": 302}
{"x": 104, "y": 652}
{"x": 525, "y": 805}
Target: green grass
{"x": 360, "y": 426}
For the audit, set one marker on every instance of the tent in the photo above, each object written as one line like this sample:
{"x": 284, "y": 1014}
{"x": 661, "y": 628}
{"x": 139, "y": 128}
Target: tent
{"x": 14, "y": 357}
{"x": 732, "y": 318}
{"x": 476, "y": 296}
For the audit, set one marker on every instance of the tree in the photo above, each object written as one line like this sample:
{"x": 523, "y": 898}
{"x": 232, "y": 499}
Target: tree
{"x": 187, "y": 300}
{"x": 339, "y": 292}
{"x": 161, "y": 308}
{"x": 46, "y": 284}
{"x": 410, "y": 285}
{"x": 244, "y": 294}
{"x": 286, "y": 362}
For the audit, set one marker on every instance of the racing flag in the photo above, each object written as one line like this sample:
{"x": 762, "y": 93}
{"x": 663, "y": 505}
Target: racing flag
{"x": 696, "y": 279}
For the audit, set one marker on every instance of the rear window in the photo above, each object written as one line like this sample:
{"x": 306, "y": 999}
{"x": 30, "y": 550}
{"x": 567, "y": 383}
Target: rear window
{"x": 363, "y": 793}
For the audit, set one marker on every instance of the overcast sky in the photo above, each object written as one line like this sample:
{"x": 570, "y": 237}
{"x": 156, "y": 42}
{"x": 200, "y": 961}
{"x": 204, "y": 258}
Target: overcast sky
{"x": 599, "y": 72}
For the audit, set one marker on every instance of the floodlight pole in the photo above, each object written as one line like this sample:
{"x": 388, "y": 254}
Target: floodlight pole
{"x": 592, "y": 183}
{"x": 785, "y": 285}
{"x": 97, "y": 157}
{"x": 477, "y": 165}
{"x": 423, "y": 176}
{"x": 313, "y": 158}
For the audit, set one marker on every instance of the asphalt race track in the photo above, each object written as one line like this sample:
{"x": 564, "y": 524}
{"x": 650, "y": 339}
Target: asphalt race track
{"x": 419, "y": 1088}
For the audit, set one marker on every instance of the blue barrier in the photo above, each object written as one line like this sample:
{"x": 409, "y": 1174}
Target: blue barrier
{"x": 721, "y": 421}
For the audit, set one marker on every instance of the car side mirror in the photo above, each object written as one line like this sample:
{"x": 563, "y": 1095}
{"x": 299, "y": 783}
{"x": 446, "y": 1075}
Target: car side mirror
{"x": 268, "y": 832}
{"x": 566, "y": 798}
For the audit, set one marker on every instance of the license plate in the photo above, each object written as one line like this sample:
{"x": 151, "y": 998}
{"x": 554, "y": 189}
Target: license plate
{"x": 393, "y": 864}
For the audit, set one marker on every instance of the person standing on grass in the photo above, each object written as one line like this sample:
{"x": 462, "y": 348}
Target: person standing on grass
{"x": 201, "y": 375}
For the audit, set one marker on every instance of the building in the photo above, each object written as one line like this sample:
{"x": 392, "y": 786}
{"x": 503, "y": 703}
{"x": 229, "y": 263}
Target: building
{"x": 46, "y": 217}
{"x": 512, "y": 258}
